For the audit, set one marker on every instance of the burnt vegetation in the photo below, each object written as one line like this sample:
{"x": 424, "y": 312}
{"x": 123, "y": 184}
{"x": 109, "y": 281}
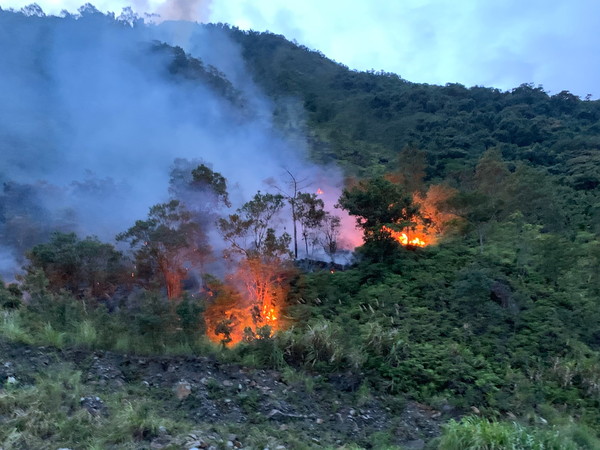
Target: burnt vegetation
{"x": 489, "y": 305}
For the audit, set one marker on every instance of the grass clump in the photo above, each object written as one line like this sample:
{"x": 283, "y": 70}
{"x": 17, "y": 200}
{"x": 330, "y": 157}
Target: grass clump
{"x": 12, "y": 327}
{"x": 475, "y": 433}
{"x": 51, "y": 413}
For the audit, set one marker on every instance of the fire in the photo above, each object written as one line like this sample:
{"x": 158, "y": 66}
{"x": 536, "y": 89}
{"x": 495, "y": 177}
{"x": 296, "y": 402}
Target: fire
{"x": 240, "y": 323}
{"x": 251, "y": 300}
{"x": 431, "y": 223}
{"x": 404, "y": 239}
{"x": 320, "y": 191}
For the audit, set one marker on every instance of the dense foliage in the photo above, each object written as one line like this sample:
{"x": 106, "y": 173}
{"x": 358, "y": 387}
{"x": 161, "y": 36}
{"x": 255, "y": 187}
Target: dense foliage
{"x": 363, "y": 119}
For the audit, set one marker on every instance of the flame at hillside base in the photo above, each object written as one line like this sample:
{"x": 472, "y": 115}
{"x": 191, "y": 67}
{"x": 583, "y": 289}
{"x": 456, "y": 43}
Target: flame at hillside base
{"x": 240, "y": 324}
{"x": 251, "y": 300}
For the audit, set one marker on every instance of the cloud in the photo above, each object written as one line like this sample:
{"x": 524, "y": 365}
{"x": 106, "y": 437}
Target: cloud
{"x": 498, "y": 44}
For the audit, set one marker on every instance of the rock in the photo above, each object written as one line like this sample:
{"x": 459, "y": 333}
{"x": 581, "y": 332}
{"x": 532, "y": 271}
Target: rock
{"x": 183, "y": 389}
{"x": 160, "y": 442}
{"x": 275, "y": 414}
{"x": 347, "y": 382}
{"x": 197, "y": 444}
{"x": 448, "y": 408}
{"x": 319, "y": 421}
{"x": 227, "y": 383}
{"x": 417, "y": 444}
{"x": 229, "y": 444}
{"x": 94, "y": 405}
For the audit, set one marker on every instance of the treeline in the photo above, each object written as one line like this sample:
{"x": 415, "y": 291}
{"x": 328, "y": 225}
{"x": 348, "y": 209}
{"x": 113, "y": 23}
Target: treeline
{"x": 172, "y": 254}
{"x": 362, "y": 119}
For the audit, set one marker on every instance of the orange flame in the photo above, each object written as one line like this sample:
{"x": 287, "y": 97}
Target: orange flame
{"x": 431, "y": 223}
{"x": 320, "y": 192}
{"x": 251, "y": 299}
{"x": 403, "y": 239}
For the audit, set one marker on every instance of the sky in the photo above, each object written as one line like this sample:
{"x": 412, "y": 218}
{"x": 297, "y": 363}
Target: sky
{"x": 502, "y": 43}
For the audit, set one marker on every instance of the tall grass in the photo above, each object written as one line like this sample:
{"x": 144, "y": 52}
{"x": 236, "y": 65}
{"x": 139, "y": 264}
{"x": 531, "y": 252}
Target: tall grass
{"x": 12, "y": 327}
{"x": 49, "y": 414}
{"x": 475, "y": 433}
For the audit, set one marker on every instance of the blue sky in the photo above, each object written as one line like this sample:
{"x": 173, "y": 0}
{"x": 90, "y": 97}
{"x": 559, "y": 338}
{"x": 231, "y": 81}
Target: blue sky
{"x": 500, "y": 43}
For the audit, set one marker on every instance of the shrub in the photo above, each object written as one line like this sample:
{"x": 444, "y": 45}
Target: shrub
{"x": 475, "y": 433}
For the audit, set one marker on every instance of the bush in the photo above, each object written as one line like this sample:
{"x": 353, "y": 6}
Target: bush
{"x": 10, "y": 296}
{"x": 474, "y": 433}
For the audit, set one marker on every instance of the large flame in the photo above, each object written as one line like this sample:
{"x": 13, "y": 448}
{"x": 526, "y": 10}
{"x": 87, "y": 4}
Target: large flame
{"x": 403, "y": 238}
{"x": 431, "y": 222}
{"x": 252, "y": 300}
{"x": 234, "y": 325}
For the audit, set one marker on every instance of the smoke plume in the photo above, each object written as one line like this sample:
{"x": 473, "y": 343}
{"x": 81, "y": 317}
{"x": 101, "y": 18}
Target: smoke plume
{"x": 92, "y": 119}
{"x": 190, "y": 10}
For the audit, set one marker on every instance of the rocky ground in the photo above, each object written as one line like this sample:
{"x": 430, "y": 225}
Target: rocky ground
{"x": 321, "y": 412}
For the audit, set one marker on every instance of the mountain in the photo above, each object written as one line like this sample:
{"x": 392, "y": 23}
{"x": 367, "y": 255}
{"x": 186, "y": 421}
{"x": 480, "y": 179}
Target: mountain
{"x": 467, "y": 316}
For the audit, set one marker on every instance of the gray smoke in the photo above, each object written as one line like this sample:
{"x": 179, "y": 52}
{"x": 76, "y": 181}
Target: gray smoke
{"x": 91, "y": 122}
{"x": 190, "y": 10}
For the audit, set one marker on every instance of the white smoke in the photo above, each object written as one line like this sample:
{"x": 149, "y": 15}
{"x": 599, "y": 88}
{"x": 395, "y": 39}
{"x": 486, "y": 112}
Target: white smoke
{"x": 90, "y": 112}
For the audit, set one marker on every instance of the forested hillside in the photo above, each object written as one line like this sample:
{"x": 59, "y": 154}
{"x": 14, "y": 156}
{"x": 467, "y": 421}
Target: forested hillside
{"x": 472, "y": 296}
{"x": 364, "y": 119}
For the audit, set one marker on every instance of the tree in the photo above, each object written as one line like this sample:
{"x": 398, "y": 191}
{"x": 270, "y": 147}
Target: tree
{"x": 310, "y": 212}
{"x": 293, "y": 196}
{"x": 411, "y": 167}
{"x": 491, "y": 173}
{"x": 200, "y": 189}
{"x": 250, "y": 231}
{"x": 260, "y": 257}
{"x": 477, "y": 209}
{"x": 78, "y": 265}
{"x": 10, "y": 296}
{"x": 485, "y": 202}
{"x": 167, "y": 244}
{"x": 330, "y": 230}
{"x": 381, "y": 207}
{"x": 376, "y": 203}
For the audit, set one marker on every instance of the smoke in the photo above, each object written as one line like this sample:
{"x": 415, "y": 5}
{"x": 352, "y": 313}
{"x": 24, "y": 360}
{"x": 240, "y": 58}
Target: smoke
{"x": 190, "y": 10}
{"x": 92, "y": 118}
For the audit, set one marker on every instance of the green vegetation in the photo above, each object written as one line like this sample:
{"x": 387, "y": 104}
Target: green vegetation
{"x": 474, "y": 433}
{"x": 52, "y": 411}
{"x": 361, "y": 120}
